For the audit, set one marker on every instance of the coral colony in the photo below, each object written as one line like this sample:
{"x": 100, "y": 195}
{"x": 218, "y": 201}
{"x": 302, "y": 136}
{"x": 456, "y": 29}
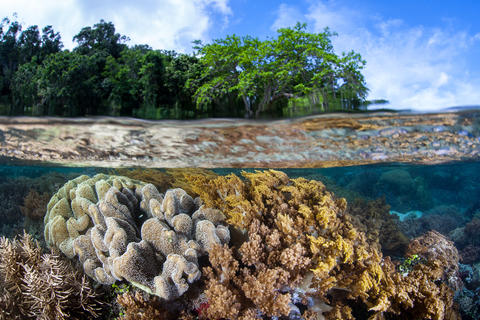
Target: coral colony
{"x": 122, "y": 229}
{"x": 259, "y": 246}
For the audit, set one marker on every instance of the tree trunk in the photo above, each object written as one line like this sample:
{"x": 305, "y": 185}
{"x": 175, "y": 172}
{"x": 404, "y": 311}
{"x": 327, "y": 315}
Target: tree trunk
{"x": 248, "y": 107}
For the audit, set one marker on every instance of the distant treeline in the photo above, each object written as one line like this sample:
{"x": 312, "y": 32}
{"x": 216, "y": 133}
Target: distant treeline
{"x": 231, "y": 77}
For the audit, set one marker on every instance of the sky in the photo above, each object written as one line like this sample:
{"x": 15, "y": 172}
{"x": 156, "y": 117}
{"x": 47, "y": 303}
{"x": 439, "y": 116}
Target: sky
{"x": 421, "y": 54}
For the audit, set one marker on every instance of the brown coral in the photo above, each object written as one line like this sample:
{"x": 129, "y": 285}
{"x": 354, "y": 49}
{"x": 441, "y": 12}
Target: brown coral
{"x": 42, "y": 286}
{"x": 373, "y": 218}
{"x": 35, "y": 204}
{"x": 179, "y": 177}
{"x": 301, "y": 220}
{"x": 160, "y": 179}
{"x": 433, "y": 246}
{"x": 138, "y": 307}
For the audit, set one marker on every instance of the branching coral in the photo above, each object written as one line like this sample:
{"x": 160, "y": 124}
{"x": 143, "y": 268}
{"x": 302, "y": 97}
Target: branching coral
{"x": 179, "y": 177}
{"x": 33, "y": 209}
{"x": 35, "y": 204}
{"x": 137, "y": 307}
{"x": 42, "y": 286}
{"x": 123, "y": 229}
{"x": 300, "y": 248}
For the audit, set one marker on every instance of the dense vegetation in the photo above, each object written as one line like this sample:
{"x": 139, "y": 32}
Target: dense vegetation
{"x": 235, "y": 76}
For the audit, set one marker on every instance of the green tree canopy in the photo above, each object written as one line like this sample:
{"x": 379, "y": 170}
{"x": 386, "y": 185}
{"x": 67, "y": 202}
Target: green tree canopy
{"x": 295, "y": 64}
{"x": 230, "y": 77}
{"x": 102, "y": 37}
{"x": 19, "y": 47}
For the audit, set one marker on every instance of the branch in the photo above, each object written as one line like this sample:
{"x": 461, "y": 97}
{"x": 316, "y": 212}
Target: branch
{"x": 282, "y": 95}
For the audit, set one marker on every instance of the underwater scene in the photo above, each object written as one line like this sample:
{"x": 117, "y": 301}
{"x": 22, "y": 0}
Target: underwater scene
{"x": 378, "y": 241}
{"x": 239, "y": 160}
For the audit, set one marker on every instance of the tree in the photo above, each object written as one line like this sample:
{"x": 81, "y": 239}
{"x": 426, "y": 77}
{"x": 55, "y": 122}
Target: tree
{"x": 122, "y": 81}
{"x": 268, "y": 73}
{"x": 24, "y": 91}
{"x": 182, "y": 76}
{"x": 51, "y": 42}
{"x": 69, "y": 84}
{"x": 9, "y": 53}
{"x": 101, "y": 37}
{"x": 17, "y": 48}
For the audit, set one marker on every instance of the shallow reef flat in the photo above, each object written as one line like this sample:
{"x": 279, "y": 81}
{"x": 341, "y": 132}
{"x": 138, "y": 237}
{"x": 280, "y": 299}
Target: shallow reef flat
{"x": 316, "y": 141}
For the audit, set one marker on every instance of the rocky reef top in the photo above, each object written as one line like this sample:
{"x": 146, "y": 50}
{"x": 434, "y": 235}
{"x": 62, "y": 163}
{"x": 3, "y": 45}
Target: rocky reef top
{"x": 317, "y": 141}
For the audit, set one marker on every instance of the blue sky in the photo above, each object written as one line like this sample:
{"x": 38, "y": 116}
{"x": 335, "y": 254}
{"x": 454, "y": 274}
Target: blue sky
{"x": 422, "y": 54}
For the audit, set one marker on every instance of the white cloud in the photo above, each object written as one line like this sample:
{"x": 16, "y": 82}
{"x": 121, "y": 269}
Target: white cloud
{"x": 165, "y": 24}
{"x": 413, "y": 67}
{"x": 286, "y": 16}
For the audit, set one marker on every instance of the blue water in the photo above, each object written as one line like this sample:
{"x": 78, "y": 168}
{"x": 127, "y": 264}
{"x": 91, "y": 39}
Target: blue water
{"x": 429, "y": 189}
{"x": 406, "y": 187}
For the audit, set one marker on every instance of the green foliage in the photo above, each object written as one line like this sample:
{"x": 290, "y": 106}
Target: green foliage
{"x": 101, "y": 37}
{"x": 294, "y": 73}
{"x": 19, "y": 47}
{"x": 269, "y": 74}
{"x": 69, "y": 84}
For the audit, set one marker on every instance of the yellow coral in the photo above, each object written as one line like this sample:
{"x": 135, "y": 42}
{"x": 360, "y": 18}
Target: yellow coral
{"x": 178, "y": 177}
{"x": 158, "y": 178}
{"x": 303, "y": 212}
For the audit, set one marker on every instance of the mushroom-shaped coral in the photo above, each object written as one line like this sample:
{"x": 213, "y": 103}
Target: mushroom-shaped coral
{"x": 123, "y": 229}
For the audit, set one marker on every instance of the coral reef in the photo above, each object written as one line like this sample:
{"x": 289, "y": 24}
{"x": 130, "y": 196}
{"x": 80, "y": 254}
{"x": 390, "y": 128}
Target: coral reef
{"x": 12, "y": 194}
{"x": 33, "y": 209}
{"x": 471, "y": 231}
{"x": 433, "y": 246}
{"x": 164, "y": 179}
{"x": 160, "y": 179}
{"x": 35, "y": 205}
{"x": 298, "y": 253}
{"x": 138, "y": 307}
{"x": 470, "y": 254}
{"x": 467, "y": 240}
{"x": 398, "y": 180}
{"x": 374, "y": 219}
{"x": 442, "y": 218}
{"x": 180, "y": 181}
{"x": 124, "y": 229}
{"x": 469, "y": 297}
{"x": 42, "y": 286}
{"x": 403, "y": 192}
